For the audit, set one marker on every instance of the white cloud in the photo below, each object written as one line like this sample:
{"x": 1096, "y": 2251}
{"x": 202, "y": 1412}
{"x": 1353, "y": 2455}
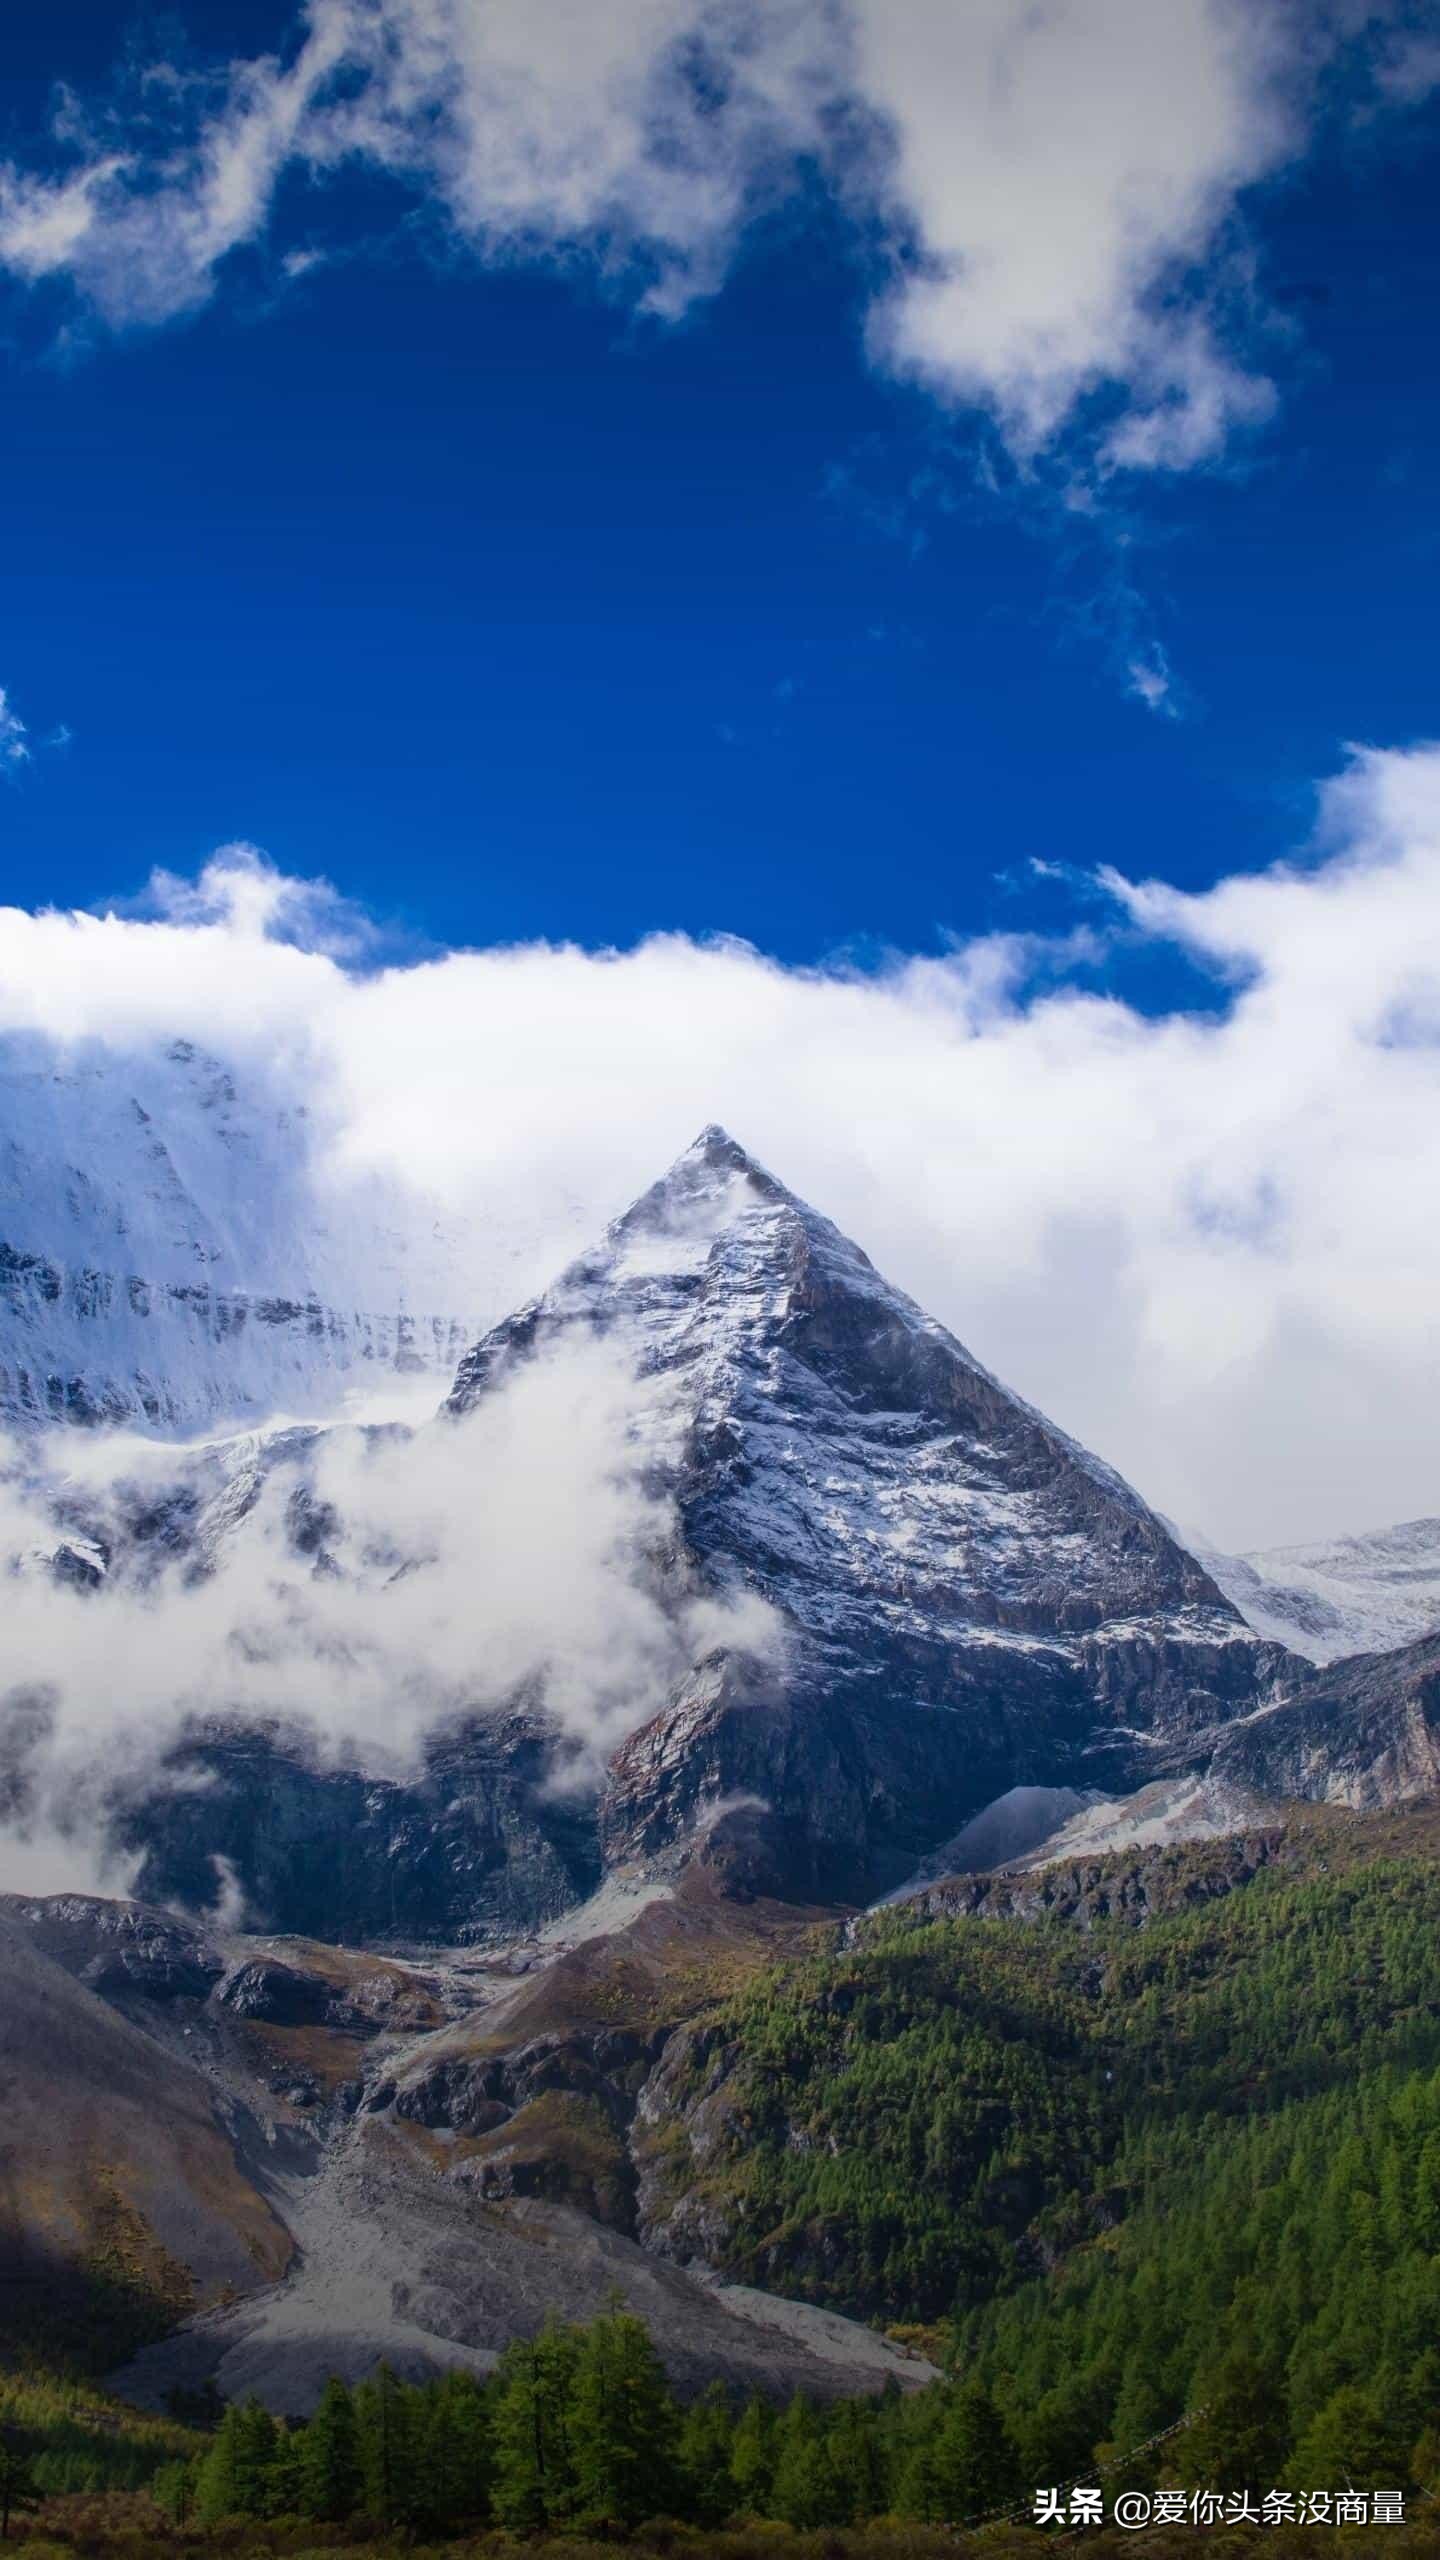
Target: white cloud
{"x": 521, "y": 1552}
{"x": 1058, "y": 182}
{"x": 45, "y": 223}
{"x": 38, "y": 1858}
{"x": 239, "y": 889}
{"x": 1206, "y": 1242}
{"x": 1066, "y": 167}
{"x": 636, "y": 130}
{"x": 14, "y": 741}
{"x": 1148, "y": 678}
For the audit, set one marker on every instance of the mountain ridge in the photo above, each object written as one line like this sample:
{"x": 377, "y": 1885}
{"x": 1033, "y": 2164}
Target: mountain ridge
{"x": 925, "y": 1536}
{"x": 898, "y": 1595}
{"x": 1367, "y": 1593}
{"x": 175, "y": 1258}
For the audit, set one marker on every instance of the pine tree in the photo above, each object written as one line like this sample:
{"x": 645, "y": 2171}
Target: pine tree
{"x": 534, "y": 2478}
{"x": 1426, "y": 2225}
{"x": 752, "y": 2458}
{"x": 234, "y": 2472}
{"x": 1352, "y": 2443}
{"x": 1425, "y": 2460}
{"x": 1057, "y": 2432}
{"x": 856, "y": 2453}
{"x": 622, "y": 2426}
{"x": 332, "y": 2476}
{"x": 806, "y": 2490}
{"x": 173, "y": 2490}
{"x": 918, "y": 2491}
{"x": 454, "y": 2452}
{"x": 1241, "y": 2440}
{"x": 286, "y": 2485}
{"x": 706, "y": 2441}
{"x": 17, "y": 2484}
{"x": 386, "y": 2436}
{"x": 975, "y": 2467}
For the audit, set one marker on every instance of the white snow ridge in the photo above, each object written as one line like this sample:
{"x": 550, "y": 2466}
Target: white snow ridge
{"x": 1366, "y": 1594}
{"x": 174, "y": 1258}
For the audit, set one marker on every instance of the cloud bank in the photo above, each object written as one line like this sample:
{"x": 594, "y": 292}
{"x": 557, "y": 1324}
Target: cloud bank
{"x": 1204, "y": 1240}
{"x": 365, "y": 1588}
{"x": 1050, "y": 195}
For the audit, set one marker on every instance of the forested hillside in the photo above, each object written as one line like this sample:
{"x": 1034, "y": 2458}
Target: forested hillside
{"x": 1141, "y": 2169}
{"x": 1151, "y": 2156}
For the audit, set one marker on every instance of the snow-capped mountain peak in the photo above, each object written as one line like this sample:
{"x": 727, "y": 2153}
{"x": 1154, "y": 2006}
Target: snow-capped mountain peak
{"x": 866, "y": 1587}
{"x": 849, "y": 1436}
{"x": 174, "y": 1256}
{"x": 943, "y": 1558}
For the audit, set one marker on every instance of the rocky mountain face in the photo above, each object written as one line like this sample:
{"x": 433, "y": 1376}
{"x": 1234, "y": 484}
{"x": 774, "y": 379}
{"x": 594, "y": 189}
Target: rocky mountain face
{"x": 475, "y": 1844}
{"x": 173, "y": 1260}
{"x": 1135, "y": 1886}
{"x": 1365, "y": 1733}
{"x": 235, "y": 2158}
{"x": 961, "y": 1599}
{"x": 898, "y": 1596}
{"x": 125, "y": 2202}
{"x": 896, "y": 1593}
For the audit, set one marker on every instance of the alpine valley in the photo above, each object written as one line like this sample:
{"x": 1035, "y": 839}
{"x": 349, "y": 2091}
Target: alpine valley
{"x": 896, "y": 1864}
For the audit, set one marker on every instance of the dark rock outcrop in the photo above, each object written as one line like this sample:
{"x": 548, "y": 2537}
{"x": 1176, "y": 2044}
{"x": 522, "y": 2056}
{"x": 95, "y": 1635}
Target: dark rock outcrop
{"x": 280, "y": 1995}
{"x": 1364, "y": 1733}
{"x": 472, "y": 1844}
{"x": 119, "y": 1949}
{"x": 1132, "y": 1886}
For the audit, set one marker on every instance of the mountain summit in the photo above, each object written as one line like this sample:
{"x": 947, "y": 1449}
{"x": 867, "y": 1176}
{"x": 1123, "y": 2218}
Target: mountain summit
{"x": 969, "y": 1601}
{"x": 882, "y": 1590}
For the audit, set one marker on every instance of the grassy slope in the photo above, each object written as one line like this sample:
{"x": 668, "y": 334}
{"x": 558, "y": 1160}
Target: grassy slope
{"x": 122, "y": 2203}
{"x": 82, "y": 2441}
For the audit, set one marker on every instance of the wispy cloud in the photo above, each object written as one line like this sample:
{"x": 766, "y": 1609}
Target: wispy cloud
{"x": 1148, "y": 678}
{"x": 19, "y": 743}
{"x": 14, "y": 737}
{"x": 1409, "y": 67}
{"x": 1056, "y": 193}
{"x": 241, "y": 890}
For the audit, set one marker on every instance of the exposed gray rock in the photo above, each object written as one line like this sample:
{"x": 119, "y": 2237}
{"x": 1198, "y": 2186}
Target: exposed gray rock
{"x": 279, "y": 1995}
{"x": 106, "y": 2134}
{"x": 1134, "y": 1888}
{"x": 119, "y": 1949}
{"x": 1362, "y": 1733}
{"x": 473, "y": 1844}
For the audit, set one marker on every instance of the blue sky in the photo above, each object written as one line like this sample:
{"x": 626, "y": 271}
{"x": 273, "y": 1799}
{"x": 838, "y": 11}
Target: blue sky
{"x": 518, "y": 609}
{"x": 869, "y": 479}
